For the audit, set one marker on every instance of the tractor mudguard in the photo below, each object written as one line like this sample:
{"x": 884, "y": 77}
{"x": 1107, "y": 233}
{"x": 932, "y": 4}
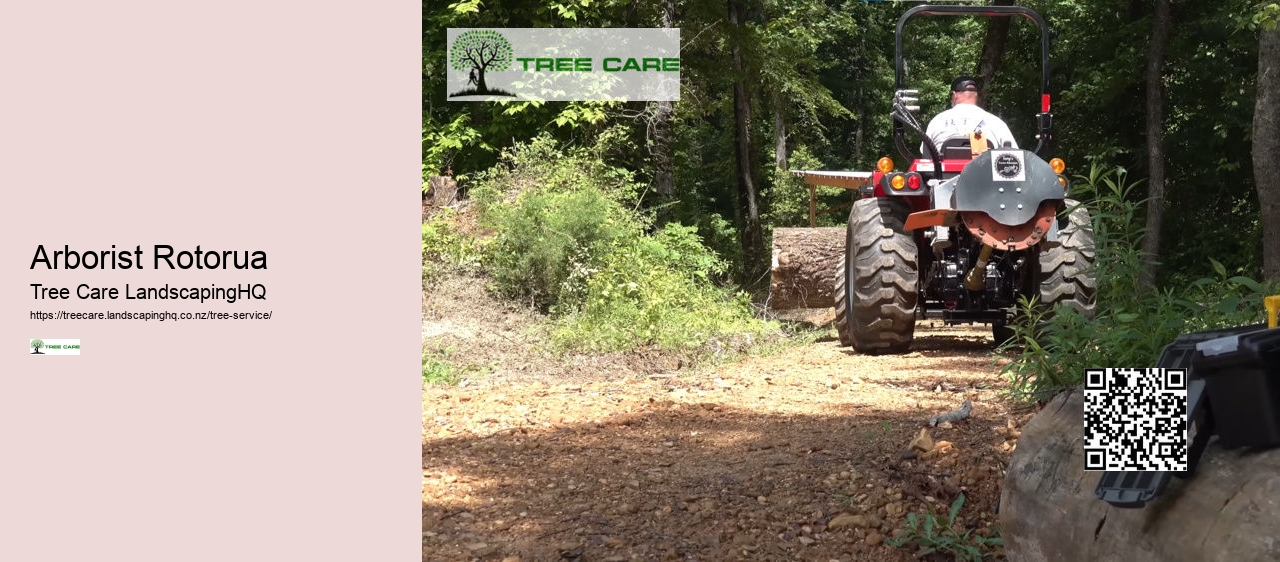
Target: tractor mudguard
{"x": 1007, "y": 184}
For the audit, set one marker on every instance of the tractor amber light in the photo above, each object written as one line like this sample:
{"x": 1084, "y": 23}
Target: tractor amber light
{"x": 1062, "y": 180}
{"x": 885, "y": 165}
{"x": 913, "y": 181}
{"x": 897, "y": 181}
{"x": 1058, "y": 165}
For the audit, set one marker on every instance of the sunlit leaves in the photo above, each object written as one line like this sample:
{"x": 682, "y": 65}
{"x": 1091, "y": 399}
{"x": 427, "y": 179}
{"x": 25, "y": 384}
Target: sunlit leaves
{"x": 465, "y": 6}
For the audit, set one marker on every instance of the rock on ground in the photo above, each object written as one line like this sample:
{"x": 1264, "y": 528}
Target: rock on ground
{"x": 1230, "y": 510}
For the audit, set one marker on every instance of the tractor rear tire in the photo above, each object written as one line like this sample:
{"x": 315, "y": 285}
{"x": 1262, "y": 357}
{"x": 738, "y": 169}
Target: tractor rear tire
{"x": 1066, "y": 272}
{"x": 876, "y": 288}
{"x": 840, "y": 295}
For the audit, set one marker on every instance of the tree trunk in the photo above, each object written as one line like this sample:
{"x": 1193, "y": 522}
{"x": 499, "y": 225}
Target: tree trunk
{"x": 993, "y": 48}
{"x": 779, "y": 135}
{"x": 1266, "y": 149}
{"x": 857, "y": 135}
{"x": 752, "y": 233}
{"x": 480, "y": 87}
{"x": 857, "y": 142}
{"x": 1048, "y": 511}
{"x": 1155, "y": 141}
{"x": 803, "y": 274}
{"x": 663, "y": 168}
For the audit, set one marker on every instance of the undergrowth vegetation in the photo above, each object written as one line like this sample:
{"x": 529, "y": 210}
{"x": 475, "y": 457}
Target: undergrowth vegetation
{"x": 439, "y": 366}
{"x": 444, "y": 249}
{"x": 934, "y": 535}
{"x": 1133, "y": 322}
{"x": 568, "y": 239}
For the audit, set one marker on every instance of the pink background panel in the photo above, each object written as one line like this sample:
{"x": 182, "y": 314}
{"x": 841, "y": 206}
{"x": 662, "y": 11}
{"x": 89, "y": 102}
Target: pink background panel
{"x": 288, "y": 127}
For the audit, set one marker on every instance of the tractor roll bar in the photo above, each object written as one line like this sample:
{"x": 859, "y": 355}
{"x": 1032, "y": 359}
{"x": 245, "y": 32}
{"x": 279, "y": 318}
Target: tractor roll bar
{"x": 1043, "y": 117}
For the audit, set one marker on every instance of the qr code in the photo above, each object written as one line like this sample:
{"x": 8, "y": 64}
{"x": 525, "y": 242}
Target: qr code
{"x": 1135, "y": 420}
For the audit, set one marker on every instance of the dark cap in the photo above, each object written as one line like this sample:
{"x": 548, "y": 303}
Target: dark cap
{"x": 964, "y": 84}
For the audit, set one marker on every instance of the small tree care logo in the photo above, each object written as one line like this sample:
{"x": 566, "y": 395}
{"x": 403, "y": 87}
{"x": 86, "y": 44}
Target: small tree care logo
{"x": 477, "y": 52}
{"x": 1008, "y": 166}
{"x": 54, "y": 347}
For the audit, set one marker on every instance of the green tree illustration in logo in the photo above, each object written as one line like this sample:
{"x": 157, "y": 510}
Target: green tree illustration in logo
{"x": 36, "y": 345}
{"x": 479, "y": 51}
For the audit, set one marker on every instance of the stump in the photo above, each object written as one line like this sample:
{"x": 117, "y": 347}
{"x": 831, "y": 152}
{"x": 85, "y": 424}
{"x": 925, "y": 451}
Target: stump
{"x": 1230, "y": 510}
{"x": 804, "y": 267}
{"x": 441, "y": 191}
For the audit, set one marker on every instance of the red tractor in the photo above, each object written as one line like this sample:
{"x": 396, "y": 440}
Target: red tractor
{"x": 1013, "y": 230}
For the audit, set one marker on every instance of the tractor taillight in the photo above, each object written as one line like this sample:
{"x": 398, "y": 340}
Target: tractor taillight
{"x": 897, "y": 181}
{"x": 913, "y": 181}
{"x": 1058, "y": 165}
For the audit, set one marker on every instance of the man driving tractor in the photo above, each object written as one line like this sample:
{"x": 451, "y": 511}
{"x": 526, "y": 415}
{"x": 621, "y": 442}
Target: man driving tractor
{"x": 959, "y": 122}
{"x": 965, "y": 117}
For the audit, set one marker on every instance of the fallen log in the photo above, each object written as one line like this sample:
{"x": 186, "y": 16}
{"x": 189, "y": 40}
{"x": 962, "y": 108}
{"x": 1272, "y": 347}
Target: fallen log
{"x": 803, "y": 274}
{"x": 1229, "y": 510}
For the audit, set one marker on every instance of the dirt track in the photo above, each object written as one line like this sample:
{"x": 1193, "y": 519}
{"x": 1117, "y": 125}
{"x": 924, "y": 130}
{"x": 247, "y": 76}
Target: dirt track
{"x": 626, "y": 459}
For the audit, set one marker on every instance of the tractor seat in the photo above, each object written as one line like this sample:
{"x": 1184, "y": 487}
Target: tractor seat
{"x": 956, "y": 149}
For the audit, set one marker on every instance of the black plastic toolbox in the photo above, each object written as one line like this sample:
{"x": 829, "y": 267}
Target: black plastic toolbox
{"x": 1134, "y": 489}
{"x": 1242, "y": 373}
{"x": 1178, "y": 354}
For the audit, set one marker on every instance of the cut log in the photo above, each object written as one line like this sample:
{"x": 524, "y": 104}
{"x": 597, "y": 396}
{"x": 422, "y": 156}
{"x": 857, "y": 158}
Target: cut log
{"x": 804, "y": 267}
{"x": 1229, "y": 510}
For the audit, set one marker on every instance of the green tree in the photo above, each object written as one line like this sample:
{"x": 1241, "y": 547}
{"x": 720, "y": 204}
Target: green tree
{"x": 748, "y": 184}
{"x": 1266, "y": 137}
{"x": 1161, "y": 22}
{"x": 37, "y": 345}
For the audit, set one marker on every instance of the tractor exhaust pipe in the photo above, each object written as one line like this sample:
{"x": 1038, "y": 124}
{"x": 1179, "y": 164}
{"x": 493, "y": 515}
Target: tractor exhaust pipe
{"x": 976, "y": 279}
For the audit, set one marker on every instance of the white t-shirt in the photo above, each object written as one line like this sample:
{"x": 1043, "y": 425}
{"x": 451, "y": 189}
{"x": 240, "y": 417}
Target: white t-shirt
{"x": 961, "y": 120}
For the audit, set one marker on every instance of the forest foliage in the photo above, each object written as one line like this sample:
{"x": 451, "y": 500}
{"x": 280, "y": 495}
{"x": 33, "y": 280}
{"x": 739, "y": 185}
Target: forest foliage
{"x": 819, "y": 78}
{"x": 827, "y": 68}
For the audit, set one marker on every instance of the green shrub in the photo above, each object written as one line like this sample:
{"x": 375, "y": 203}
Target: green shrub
{"x": 656, "y": 290}
{"x": 445, "y": 249}
{"x": 548, "y": 242}
{"x": 541, "y": 165}
{"x": 568, "y": 239}
{"x": 554, "y": 216}
{"x": 1133, "y": 323}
